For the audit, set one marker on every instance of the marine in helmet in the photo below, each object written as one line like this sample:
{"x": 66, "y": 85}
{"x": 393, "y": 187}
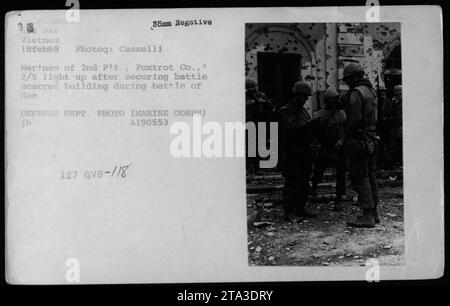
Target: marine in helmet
{"x": 328, "y": 130}
{"x": 251, "y": 89}
{"x": 258, "y": 108}
{"x": 250, "y": 83}
{"x": 382, "y": 130}
{"x": 361, "y": 143}
{"x": 393, "y": 119}
{"x": 257, "y": 104}
{"x": 296, "y": 159}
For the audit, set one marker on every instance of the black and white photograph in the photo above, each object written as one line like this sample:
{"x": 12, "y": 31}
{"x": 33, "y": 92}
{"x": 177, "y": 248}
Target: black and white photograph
{"x": 131, "y": 158}
{"x": 335, "y": 196}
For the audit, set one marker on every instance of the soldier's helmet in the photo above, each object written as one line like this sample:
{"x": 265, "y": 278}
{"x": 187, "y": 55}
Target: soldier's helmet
{"x": 302, "y": 87}
{"x": 352, "y": 68}
{"x": 397, "y": 90}
{"x": 330, "y": 96}
{"x": 250, "y": 83}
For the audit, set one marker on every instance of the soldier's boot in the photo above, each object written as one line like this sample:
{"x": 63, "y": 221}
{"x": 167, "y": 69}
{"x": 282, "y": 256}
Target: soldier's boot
{"x": 304, "y": 213}
{"x": 366, "y": 220}
{"x": 289, "y": 216}
{"x": 376, "y": 217}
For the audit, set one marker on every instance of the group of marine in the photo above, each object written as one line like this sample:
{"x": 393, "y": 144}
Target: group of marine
{"x": 352, "y": 131}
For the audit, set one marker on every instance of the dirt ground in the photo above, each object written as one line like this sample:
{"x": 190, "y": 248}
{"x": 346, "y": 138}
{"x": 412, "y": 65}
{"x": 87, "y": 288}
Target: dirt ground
{"x": 325, "y": 240}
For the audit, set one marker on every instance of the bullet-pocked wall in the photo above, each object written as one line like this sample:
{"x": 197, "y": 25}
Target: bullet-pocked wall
{"x": 369, "y": 44}
{"x": 306, "y": 40}
{"x": 322, "y": 51}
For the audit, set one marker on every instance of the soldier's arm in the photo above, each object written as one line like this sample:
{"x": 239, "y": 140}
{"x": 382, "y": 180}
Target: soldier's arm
{"x": 286, "y": 120}
{"x": 352, "y": 117}
{"x": 289, "y": 122}
{"x": 271, "y": 106}
{"x": 353, "y": 113}
{"x": 343, "y": 117}
{"x": 250, "y": 102}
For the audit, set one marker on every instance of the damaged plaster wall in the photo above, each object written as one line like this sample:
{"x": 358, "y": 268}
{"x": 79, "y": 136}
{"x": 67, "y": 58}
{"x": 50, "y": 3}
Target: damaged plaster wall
{"x": 325, "y": 49}
{"x": 304, "y": 39}
{"x": 369, "y": 44}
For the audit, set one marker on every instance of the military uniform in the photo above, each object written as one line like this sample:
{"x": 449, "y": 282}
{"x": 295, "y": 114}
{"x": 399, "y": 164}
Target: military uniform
{"x": 328, "y": 130}
{"x": 362, "y": 145}
{"x": 297, "y": 157}
{"x": 393, "y": 118}
{"x": 258, "y": 108}
{"x": 382, "y": 129}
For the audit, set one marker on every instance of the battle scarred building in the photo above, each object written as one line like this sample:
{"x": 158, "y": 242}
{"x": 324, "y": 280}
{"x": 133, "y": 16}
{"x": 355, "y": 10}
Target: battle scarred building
{"x": 279, "y": 54}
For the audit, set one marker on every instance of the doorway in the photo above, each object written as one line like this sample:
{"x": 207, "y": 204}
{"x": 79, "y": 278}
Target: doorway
{"x": 277, "y": 73}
